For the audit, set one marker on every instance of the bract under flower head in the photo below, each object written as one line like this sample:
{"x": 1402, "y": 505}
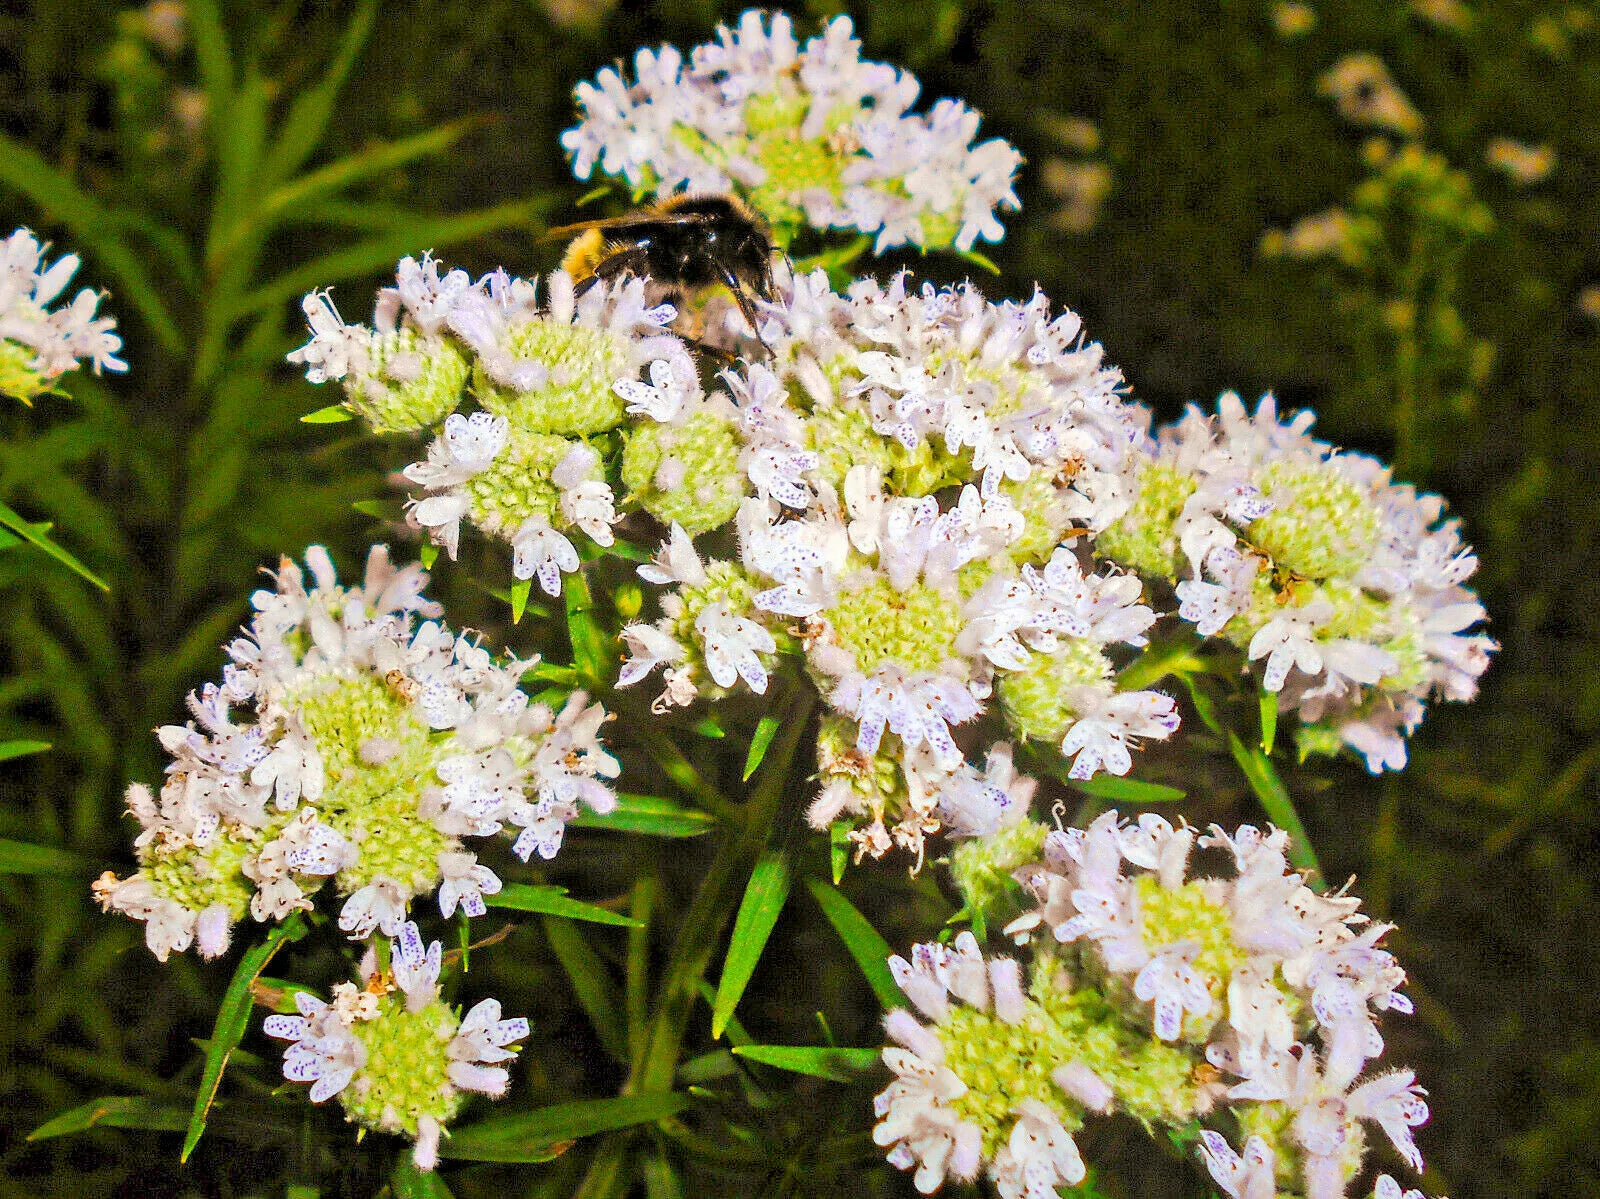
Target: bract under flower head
{"x": 372, "y": 744}
{"x": 1348, "y": 588}
{"x": 38, "y": 345}
{"x": 398, "y": 1057}
{"x": 811, "y": 135}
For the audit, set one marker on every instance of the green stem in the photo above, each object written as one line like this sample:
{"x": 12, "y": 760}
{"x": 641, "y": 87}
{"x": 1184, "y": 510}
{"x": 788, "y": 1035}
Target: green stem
{"x": 712, "y": 907}
{"x": 697, "y": 937}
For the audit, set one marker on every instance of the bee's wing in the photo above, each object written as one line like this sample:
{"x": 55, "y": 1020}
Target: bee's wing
{"x": 629, "y": 220}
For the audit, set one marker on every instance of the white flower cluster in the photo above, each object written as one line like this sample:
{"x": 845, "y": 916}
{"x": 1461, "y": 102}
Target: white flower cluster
{"x": 1349, "y": 588}
{"x": 396, "y": 1056}
{"x": 374, "y": 745}
{"x": 812, "y": 135}
{"x": 523, "y": 467}
{"x": 921, "y": 463}
{"x": 1250, "y": 967}
{"x": 1234, "y": 976}
{"x": 36, "y": 344}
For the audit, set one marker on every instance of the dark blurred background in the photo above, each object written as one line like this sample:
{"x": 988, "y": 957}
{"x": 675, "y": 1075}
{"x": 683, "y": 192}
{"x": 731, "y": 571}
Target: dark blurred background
{"x": 1166, "y": 141}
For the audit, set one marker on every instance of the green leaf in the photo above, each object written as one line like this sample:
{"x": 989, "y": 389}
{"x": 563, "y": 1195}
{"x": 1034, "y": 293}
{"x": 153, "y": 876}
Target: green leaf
{"x": 333, "y": 414}
{"x": 1106, "y": 786}
{"x": 553, "y": 901}
{"x": 982, "y": 261}
{"x": 1274, "y": 796}
{"x": 763, "y": 901}
{"x": 866, "y": 946}
{"x": 21, "y": 749}
{"x": 708, "y": 727}
{"x": 839, "y": 848}
{"x": 22, "y": 857}
{"x": 428, "y": 554}
{"x": 233, "y": 1018}
{"x": 821, "y": 1061}
{"x": 128, "y": 1111}
{"x": 1203, "y": 706}
{"x": 590, "y": 983}
{"x": 33, "y": 534}
{"x": 408, "y": 1182}
{"x": 1269, "y": 721}
{"x": 593, "y": 194}
{"x": 765, "y": 731}
{"x": 377, "y": 509}
{"x": 308, "y": 117}
{"x": 519, "y": 599}
{"x": 9, "y": 539}
{"x": 591, "y": 648}
{"x": 545, "y": 1132}
{"x": 650, "y": 815}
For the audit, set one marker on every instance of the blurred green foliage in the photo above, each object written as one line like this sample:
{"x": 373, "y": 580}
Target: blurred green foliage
{"x": 213, "y": 171}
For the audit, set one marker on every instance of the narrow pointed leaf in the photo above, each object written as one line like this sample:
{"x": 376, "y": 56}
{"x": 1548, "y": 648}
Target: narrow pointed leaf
{"x": 870, "y": 951}
{"x": 21, "y": 749}
{"x": 308, "y": 116}
{"x": 591, "y": 983}
{"x": 1275, "y": 800}
{"x": 33, "y": 534}
{"x": 839, "y": 848}
{"x": 650, "y": 815}
{"x": 333, "y": 414}
{"x": 543, "y": 1133}
{"x": 22, "y": 857}
{"x": 982, "y": 261}
{"x": 519, "y": 599}
{"x": 820, "y": 1061}
{"x": 233, "y": 1018}
{"x": 553, "y": 901}
{"x": 125, "y": 1111}
{"x": 1108, "y": 786}
{"x": 765, "y": 731}
{"x": 1269, "y": 721}
{"x": 763, "y": 901}
{"x": 590, "y": 645}
{"x": 408, "y": 1182}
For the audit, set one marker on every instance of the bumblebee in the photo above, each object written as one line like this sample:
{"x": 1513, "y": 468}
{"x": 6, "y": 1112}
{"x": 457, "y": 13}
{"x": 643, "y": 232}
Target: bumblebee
{"x": 683, "y": 246}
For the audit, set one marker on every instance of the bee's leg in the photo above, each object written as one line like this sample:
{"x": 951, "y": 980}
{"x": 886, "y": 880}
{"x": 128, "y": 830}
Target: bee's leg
{"x": 633, "y": 261}
{"x": 746, "y": 304}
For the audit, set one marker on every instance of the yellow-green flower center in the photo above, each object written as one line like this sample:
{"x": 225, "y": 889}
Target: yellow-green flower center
{"x": 915, "y": 629}
{"x": 406, "y": 1074}
{"x": 1323, "y": 525}
{"x": 576, "y": 397}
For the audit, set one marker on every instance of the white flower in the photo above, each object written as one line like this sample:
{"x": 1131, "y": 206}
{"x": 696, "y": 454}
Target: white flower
{"x": 1288, "y": 641}
{"x": 57, "y": 339}
{"x": 539, "y": 551}
{"x": 673, "y": 385}
{"x": 335, "y": 349}
{"x": 591, "y": 507}
{"x": 1039, "y": 1156}
{"x": 381, "y": 904}
{"x": 465, "y": 881}
{"x": 325, "y": 1053}
{"x": 733, "y": 646}
{"x": 415, "y": 967}
{"x": 1109, "y": 724}
{"x": 481, "y": 1041}
{"x": 1246, "y": 1176}
{"x": 1170, "y": 981}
